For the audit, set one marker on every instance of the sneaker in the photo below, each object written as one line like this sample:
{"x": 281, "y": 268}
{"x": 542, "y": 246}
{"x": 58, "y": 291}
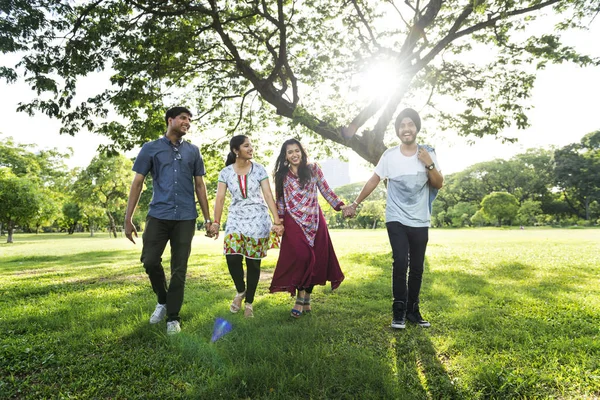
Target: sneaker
{"x": 173, "y": 328}
{"x": 416, "y": 318}
{"x": 160, "y": 312}
{"x": 248, "y": 311}
{"x": 399, "y": 315}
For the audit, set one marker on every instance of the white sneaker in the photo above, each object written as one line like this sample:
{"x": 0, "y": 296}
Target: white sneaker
{"x": 173, "y": 328}
{"x": 160, "y": 312}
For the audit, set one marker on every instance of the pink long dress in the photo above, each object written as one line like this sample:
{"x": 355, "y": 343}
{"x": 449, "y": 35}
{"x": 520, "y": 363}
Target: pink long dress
{"x": 307, "y": 256}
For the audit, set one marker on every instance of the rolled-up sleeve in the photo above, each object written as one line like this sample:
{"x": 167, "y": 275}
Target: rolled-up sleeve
{"x": 199, "y": 164}
{"x": 143, "y": 162}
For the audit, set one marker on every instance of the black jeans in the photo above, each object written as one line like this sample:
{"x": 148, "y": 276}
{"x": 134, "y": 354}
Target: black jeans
{"x": 408, "y": 250}
{"x": 234, "y": 263}
{"x": 156, "y": 235}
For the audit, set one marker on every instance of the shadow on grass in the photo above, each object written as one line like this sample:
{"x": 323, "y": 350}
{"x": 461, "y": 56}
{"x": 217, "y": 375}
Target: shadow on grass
{"x": 93, "y": 338}
{"x": 31, "y": 264}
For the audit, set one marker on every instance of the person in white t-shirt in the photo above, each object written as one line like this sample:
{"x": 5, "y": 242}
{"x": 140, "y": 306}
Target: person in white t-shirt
{"x": 414, "y": 177}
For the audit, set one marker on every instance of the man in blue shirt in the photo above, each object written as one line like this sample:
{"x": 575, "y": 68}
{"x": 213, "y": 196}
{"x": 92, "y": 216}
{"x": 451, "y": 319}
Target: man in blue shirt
{"x": 177, "y": 171}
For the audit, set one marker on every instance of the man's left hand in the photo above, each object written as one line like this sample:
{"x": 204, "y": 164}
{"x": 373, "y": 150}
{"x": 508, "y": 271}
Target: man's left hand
{"x": 208, "y": 231}
{"x": 424, "y": 156}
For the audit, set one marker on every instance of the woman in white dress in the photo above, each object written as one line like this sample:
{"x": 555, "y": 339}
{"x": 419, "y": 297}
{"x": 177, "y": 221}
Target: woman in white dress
{"x": 249, "y": 226}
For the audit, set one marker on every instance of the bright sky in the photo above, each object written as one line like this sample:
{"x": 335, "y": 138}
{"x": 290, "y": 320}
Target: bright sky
{"x": 564, "y": 98}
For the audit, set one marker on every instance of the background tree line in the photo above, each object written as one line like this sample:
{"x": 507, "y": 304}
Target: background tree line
{"x": 539, "y": 187}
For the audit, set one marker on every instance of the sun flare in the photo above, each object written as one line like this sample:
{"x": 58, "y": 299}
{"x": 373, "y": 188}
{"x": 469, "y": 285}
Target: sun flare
{"x": 379, "y": 79}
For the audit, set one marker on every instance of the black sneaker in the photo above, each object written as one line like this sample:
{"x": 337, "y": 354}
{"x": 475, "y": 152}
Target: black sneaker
{"x": 416, "y": 318}
{"x": 399, "y": 315}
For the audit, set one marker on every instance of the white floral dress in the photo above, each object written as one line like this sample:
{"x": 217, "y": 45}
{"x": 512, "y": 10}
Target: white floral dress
{"x": 248, "y": 229}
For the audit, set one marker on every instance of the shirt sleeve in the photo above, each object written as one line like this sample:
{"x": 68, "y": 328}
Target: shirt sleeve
{"x": 381, "y": 169}
{"x": 280, "y": 208}
{"x": 435, "y": 161}
{"x": 324, "y": 188}
{"x": 199, "y": 169}
{"x": 222, "y": 176}
{"x": 261, "y": 173}
{"x": 143, "y": 162}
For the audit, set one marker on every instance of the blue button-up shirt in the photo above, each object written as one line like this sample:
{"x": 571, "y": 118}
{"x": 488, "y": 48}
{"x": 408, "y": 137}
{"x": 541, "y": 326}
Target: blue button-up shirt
{"x": 173, "y": 169}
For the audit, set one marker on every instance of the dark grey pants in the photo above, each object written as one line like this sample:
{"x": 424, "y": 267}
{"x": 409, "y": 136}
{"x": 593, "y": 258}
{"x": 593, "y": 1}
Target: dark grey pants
{"x": 156, "y": 235}
{"x": 408, "y": 251}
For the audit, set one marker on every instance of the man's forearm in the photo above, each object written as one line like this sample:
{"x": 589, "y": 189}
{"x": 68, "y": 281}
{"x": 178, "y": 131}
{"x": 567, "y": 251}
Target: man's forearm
{"x": 367, "y": 190}
{"x": 203, "y": 201}
{"x": 134, "y": 197}
{"x": 435, "y": 178}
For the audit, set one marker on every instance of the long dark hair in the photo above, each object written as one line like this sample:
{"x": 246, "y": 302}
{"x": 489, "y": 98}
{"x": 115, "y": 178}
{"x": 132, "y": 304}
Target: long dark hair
{"x": 282, "y": 168}
{"x": 234, "y": 143}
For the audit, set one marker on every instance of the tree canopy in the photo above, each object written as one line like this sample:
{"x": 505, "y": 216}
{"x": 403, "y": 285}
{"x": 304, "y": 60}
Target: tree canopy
{"x": 250, "y": 65}
{"x": 501, "y": 206}
{"x": 578, "y": 173}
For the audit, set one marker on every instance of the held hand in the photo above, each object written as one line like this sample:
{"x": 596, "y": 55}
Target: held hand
{"x": 130, "y": 231}
{"x": 207, "y": 227}
{"x": 349, "y": 211}
{"x": 214, "y": 230}
{"x": 278, "y": 229}
{"x": 424, "y": 157}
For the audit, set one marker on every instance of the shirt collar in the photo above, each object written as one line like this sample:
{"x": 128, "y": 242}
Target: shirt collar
{"x": 166, "y": 139}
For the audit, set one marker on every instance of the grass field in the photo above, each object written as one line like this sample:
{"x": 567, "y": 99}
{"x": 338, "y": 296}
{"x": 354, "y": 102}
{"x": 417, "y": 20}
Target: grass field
{"x": 514, "y": 313}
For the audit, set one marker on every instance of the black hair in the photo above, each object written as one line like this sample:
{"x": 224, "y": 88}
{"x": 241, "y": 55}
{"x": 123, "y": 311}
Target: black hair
{"x": 234, "y": 143}
{"x": 174, "y": 112}
{"x": 410, "y": 113}
{"x": 282, "y": 168}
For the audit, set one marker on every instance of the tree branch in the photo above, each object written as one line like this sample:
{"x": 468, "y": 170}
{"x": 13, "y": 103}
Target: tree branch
{"x": 242, "y": 108}
{"x": 455, "y": 34}
{"x": 362, "y": 18}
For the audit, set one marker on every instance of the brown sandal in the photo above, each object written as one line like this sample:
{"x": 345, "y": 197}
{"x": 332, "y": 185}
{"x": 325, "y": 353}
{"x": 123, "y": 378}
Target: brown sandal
{"x": 236, "y": 304}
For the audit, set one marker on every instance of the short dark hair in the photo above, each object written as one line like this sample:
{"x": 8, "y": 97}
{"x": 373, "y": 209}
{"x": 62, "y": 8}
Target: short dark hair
{"x": 410, "y": 113}
{"x": 174, "y": 112}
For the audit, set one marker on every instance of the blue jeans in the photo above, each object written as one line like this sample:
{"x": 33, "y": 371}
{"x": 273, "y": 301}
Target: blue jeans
{"x": 408, "y": 251}
{"x": 156, "y": 235}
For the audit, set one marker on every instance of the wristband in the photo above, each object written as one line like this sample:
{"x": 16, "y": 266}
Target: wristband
{"x": 355, "y": 204}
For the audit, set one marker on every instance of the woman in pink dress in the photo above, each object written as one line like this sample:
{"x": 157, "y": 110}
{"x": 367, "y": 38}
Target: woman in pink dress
{"x": 306, "y": 257}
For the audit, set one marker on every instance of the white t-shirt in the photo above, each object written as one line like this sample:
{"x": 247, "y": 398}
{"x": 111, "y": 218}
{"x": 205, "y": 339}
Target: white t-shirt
{"x": 408, "y": 189}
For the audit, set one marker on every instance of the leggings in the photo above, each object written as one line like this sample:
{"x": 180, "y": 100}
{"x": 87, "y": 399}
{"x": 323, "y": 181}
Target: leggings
{"x": 234, "y": 263}
{"x": 308, "y": 289}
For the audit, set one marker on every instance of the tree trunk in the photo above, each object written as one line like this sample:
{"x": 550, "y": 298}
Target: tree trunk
{"x": 91, "y": 225}
{"x": 10, "y": 229}
{"x": 587, "y": 208}
{"x": 113, "y": 227}
{"x": 1, "y": 229}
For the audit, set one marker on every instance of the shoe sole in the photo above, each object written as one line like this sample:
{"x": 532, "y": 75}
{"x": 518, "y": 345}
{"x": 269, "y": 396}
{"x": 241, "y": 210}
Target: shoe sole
{"x": 154, "y": 322}
{"x": 398, "y": 326}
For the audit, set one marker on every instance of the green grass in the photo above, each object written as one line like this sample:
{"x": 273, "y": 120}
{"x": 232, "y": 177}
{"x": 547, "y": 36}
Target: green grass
{"x": 515, "y": 314}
